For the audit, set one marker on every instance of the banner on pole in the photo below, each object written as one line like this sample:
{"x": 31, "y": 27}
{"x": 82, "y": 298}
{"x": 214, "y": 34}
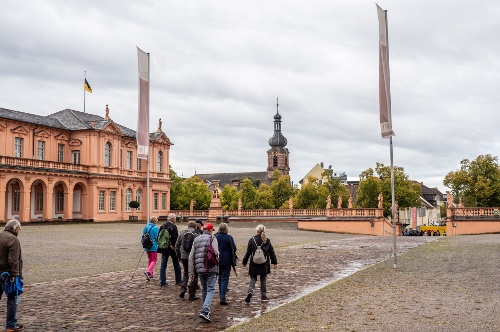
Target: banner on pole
{"x": 384, "y": 77}
{"x": 143, "y": 115}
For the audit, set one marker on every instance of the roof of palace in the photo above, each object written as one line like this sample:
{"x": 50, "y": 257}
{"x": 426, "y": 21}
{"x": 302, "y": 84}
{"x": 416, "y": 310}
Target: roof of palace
{"x": 66, "y": 119}
{"x": 229, "y": 178}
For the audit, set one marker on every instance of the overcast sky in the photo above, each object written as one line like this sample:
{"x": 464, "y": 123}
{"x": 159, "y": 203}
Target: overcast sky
{"x": 217, "y": 68}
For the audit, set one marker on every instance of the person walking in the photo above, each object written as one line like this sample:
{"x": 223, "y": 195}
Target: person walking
{"x": 183, "y": 247}
{"x": 227, "y": 249}
{"x": 11, "y": 262}
{"x": 261, "y": 270}
{"x": 171, "y": 227}
{"x": 199, "y": 226}
{"x": 152, "y": 229}
{"x": 207, "y": 274}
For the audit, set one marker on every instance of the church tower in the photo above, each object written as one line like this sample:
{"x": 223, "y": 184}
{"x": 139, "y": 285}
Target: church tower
{"x": 277, "y": 155}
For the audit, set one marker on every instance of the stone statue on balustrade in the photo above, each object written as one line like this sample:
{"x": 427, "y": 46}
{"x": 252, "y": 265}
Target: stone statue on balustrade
{"x": 191, "y": 206}
{"x": 240, "y": 205}
{"x": 329, "y": 202}
{"x": 339, "y": 202}
{"x": 349, "y": 202}
{"x": 380, "y": 201}
{"x": 290, "y": 203}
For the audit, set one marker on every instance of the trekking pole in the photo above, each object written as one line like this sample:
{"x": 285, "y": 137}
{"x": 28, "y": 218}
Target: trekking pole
{"x": 139, "y": 262}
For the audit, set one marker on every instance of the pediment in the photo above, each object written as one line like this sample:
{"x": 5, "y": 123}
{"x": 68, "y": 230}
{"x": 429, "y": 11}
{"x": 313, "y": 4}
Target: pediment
{"x": 163, "y": 139}
{"x": 20, "y": 130}
{"x": 74, "y": 142}
{"x": 42, "y": 133}
{"x": 111, "y": 127}
{"x": 61, "y": 137}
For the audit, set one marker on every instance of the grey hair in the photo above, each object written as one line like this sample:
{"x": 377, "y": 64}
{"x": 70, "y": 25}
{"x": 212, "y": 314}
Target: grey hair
{"x": 153, "y": 220}
{"x": 223, "y": 227}
{"x": 12, "y": 225}
{"x": 171, "y": 216}
{"x": 261, "y": 229}
{"x": 192, "y": 223}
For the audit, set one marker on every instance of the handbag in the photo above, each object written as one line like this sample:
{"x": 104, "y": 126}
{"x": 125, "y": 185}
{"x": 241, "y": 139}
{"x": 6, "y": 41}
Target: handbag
{"x": 258, "y": 256}
{"x": 211, "y": 258}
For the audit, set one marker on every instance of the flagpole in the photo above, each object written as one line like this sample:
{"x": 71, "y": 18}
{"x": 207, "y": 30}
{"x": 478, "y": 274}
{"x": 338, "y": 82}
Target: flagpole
{"x": 84, "y": 91}
{"x": 147, "y": 160}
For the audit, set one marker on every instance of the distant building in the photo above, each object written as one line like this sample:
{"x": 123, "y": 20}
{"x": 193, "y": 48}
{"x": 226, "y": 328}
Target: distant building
{"x": 316, "y": 172}
{"x": 73, "y": 165}
{"x": 277, "y": 159}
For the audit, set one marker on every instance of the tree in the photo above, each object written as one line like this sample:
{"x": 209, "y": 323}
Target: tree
{"x": 281, "y": 189}
{"x": 335, "y": 188}
{"x": 248, "y": 195}
{"x": 407, "y": 193}
{"x": 477, "y": 182}
{"x": 175, "y": 189}
{"x": 311, "y": 195}
{"x": 229, "y": 197}
{"x": 265, "y": 197}
{"x": 194, "y": 188}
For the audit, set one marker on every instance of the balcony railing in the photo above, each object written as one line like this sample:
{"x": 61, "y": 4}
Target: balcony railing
{"x": 35, "y": 163}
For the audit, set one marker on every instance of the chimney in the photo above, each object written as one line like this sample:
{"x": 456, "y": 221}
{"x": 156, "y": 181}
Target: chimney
{"x": 321, "y": 164}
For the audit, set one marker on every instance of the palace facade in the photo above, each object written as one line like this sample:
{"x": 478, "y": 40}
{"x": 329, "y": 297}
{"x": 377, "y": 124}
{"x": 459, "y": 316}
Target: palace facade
{"x": 72, "y": 165}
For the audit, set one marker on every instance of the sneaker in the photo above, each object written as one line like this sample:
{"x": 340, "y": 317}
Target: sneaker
{"x": 192, "y": 298}
{"x": 205, "y": 316}
{"x": 181, "y": 295}
{"x": 249, "y": 296}
{"x": 163, "y": 285}
{"x": 16, "y": 328}
{"x": 264, "y": 299}
{"x": 223, "y": 302}
{"x": 148, "y": 276}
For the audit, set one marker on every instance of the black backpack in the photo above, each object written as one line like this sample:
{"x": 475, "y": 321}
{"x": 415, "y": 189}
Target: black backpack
{"x": 146, "y": 239}
{"x": 187, "y": 241}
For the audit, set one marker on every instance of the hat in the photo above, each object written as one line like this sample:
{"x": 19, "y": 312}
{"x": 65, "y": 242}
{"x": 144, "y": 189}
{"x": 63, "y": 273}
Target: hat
{"x": 208, "y": 226}
{"x": 198, "y": 221}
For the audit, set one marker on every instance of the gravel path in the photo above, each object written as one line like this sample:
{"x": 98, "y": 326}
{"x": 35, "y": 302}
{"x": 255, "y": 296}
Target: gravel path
{"x": 78, "y": 278}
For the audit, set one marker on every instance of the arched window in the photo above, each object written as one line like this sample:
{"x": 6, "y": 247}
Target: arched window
{"x": 128, "y": 199}
{"x": 138, "y": 197}
{"x": 160, "y": 161}
{"x": 107, "y": 154}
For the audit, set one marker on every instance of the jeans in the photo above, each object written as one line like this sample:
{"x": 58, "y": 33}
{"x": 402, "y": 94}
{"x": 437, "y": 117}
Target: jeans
{"x": 224, "y": 271}
{"x": 185, "y": 283}
{"x": 253, "y": 280}
{"x": 163, "y": 268}
{"x": 152, "y": 259}
{"x": 207, "y": 290}
{"x": 12, "y": 302}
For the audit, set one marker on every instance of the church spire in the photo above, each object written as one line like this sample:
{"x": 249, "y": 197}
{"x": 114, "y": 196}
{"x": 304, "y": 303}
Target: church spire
{"x": 278, "y": 140}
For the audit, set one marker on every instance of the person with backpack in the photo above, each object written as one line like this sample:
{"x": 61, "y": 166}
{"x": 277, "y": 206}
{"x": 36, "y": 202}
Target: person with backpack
{"x": 227, "y": 249}
{"x": 166, "y": 246}
{"x": 183, "y": 248}
{"x": 203, "y": 261}
{"x": 152, "y": 233}
{"x": 259, "y": 243}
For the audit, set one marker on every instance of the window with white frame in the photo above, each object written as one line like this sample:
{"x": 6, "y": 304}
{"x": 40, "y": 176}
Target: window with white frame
{"x": 128, "y": 199}
{"x": 41, "y": 150}
{"x": 138, "y": 197}
{"x": 129, "y": 159}
{"x": 102, "y": 195}
{"x": 75, "y": 157}
{"x": 18, "y": 147}
{"x": 164, "y": 201}
{"x": 112, "y": 200}
{"x": 59, "y": 200}
{"x": 38, "y": 199}
{"x": 107, "y": 154}
{"x": 155, "y": 201}
{"x": 60, "y": 153}
{"x": 16, "y": 201}
{"x": 160, "y": 161}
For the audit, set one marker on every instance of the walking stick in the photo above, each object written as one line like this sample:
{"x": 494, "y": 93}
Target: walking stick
{"x": 139, "y": 262}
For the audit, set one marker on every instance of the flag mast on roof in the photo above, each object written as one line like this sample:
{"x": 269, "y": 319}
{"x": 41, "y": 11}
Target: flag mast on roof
{"x": 143, "y": 117}
{"x": 86, "y": 87}
{"x": 385, "y": 106}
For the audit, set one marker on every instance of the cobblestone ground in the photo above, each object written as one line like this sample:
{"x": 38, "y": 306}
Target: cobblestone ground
{"x": 78, "y": 277}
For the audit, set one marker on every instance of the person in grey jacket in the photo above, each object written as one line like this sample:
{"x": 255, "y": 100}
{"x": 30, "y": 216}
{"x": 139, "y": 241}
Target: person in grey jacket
{"x": 183, "y": 255}
{"x": 197, "y": 264}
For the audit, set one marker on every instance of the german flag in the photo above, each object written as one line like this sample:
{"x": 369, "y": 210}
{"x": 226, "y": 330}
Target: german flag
{"x": 86, "y": 86}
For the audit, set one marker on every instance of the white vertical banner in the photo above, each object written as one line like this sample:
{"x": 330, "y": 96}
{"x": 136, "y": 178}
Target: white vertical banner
{"x": 384, "y": 76}
{"x": 143, "y": 115}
